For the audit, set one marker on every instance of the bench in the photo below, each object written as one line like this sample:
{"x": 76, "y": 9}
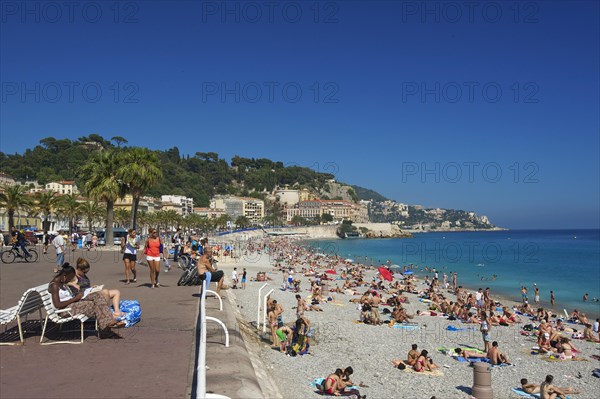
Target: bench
{"x": 55, "y": 315}
{"x": 29, "y": 303}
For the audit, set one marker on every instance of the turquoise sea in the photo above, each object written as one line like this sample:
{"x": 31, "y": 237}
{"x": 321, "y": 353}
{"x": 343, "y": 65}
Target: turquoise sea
{"x": 566, "y": 261}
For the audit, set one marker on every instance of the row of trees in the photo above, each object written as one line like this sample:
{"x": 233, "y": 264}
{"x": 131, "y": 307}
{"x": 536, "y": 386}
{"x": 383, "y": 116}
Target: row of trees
{"x": 45, "y": 204}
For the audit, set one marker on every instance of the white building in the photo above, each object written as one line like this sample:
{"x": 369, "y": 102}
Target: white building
{"x": 252, "y": 208}
{"x": 179, "y": 203}
{"x": 63, "y": 187}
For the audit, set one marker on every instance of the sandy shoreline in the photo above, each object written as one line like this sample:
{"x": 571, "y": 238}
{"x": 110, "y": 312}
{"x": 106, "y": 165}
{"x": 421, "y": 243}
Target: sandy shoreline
{"x": 339, "y": 342}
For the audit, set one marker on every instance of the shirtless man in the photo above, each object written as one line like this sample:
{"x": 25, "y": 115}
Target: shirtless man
{"x": 301, "y": 307}
{"x": 529, "y": 388}
{"x": 495, "y": 356}
{"x": 467, "y": 354}
{"x": 205, "y": 265}
{"x": 588, "y": 334}
{"x": 375, "y": 301}
{"x": 549, "y": 391}
{"x": 411, "y": 359}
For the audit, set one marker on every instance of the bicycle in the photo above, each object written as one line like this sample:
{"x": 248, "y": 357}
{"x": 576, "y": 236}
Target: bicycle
{"x": 190, "y": 272}
{"x": 12, "y": 254}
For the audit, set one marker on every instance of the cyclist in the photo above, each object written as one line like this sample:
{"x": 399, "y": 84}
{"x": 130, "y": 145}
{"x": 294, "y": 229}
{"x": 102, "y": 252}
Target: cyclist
{"x": 19, "y": 241}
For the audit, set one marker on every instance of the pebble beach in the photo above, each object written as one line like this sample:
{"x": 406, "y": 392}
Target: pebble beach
{"x": 339, "y": 340}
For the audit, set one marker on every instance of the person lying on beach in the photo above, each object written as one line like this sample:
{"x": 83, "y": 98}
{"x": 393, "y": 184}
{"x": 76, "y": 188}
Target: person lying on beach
{"x": 467, "y": 354}
{"x": 424, "y": 363}
{"x": 495, "y": 356}
{"x": 471, "y": 319}
{"x": 549, "y": 391}
{"x": 511, "y": 316}
{"x": 410, "y": 361}
{"x": 529, "y": 388}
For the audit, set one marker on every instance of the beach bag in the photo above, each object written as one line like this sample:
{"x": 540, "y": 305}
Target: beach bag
{"x": 528, "y": 327}
{"x": 133, "y": 312}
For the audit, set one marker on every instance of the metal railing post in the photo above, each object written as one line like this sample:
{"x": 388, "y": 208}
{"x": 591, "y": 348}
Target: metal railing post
{"x": 258, "y": 306}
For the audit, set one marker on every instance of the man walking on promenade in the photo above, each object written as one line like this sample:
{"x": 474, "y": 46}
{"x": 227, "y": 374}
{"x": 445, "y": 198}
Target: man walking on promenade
{"x": 59, "y": 245}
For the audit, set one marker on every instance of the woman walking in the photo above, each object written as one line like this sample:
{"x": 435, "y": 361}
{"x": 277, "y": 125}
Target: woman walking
{"x": 130, "y": 245}
{"x": 152, "y": 251}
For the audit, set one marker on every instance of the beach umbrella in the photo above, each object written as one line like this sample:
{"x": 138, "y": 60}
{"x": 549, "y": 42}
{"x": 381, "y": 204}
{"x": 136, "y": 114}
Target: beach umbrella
{"x": 385, "y": 273}
{"x": 408, "y": 272}
{"x": 395, "y": 268}
{"x": 399, "y": 276}
{"x": 349, "y": 260}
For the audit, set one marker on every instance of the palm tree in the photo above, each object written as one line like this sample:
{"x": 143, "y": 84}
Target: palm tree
{"x": 70, "y": 209}
{"x": 13, "y": 199}
{"x": 242, "y": 222}
{"x": 46, "y": 203}
{"x": 101, "y": 182}
{"x": 122, "y": 216}
{"x": 140, "y": 171}
{"x": 92, "y": 211}
{"x": 170, "y": 218}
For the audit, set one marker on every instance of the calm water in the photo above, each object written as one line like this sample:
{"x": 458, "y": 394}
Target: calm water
{"x": 566, "y": 261}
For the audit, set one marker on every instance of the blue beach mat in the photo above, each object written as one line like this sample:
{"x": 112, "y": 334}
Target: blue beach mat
{"x": 452, "y": 328}
{"x": 408, "y": 327}
{"x": 521, "y": 392}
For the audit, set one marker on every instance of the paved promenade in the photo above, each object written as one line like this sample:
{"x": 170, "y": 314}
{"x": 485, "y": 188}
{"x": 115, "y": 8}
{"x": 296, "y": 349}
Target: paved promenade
{"x": 154, "y": 359}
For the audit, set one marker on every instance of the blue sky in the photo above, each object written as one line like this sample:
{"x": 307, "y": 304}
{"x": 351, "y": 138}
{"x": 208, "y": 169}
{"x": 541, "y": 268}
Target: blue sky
{"x": 493, "y": 109}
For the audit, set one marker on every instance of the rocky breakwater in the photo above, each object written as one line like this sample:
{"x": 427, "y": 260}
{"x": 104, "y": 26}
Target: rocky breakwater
{"x": 381, "y": 230}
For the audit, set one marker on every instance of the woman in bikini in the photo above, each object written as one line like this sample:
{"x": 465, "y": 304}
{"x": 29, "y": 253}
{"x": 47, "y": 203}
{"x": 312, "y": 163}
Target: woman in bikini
{"x": 424, "y": 363}
{"x": 333, "y": 383}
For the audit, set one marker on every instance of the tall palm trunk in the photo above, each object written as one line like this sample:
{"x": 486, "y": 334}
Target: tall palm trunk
{"x": 110, "y": 216}
{"x": 11, "y": 219}
{"x": 134, "y": 208}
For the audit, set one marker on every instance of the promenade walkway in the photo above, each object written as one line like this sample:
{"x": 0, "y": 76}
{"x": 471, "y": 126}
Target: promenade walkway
{"x": 154, "y": 359}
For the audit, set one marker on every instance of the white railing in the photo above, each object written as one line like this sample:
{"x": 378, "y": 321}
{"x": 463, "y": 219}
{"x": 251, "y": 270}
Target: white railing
{"x": 264, "y": 319}
{"x": 201, "y": 370}
{"x": 258, "y": 306}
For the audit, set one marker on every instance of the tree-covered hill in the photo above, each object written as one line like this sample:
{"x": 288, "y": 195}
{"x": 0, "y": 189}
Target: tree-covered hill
{"x": 199, "y": 176}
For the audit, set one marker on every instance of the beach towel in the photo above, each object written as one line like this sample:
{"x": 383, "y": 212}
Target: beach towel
{"x": 435, "y": 373}
{"x": 408, "y": 327}
{"x": 521, "y": 392}
{"x": 452, "y": 328}
{"x": 496, "y": 366}
{"x": 452, "y": 352}
{"x": 132, "y": 310}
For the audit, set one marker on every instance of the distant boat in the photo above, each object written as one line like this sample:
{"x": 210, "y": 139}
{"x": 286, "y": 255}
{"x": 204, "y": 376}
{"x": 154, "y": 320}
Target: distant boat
{"x": 481, "y": 264}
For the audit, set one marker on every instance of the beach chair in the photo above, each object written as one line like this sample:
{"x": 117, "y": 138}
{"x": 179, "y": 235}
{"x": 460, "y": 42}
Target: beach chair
{"x": 55, "y": 316}
{"x": 29, "y": 303}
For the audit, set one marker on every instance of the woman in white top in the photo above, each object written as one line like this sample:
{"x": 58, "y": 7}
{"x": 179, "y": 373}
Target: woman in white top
{"x": 130, "y": 245}
{"x": 92, "y": 305}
